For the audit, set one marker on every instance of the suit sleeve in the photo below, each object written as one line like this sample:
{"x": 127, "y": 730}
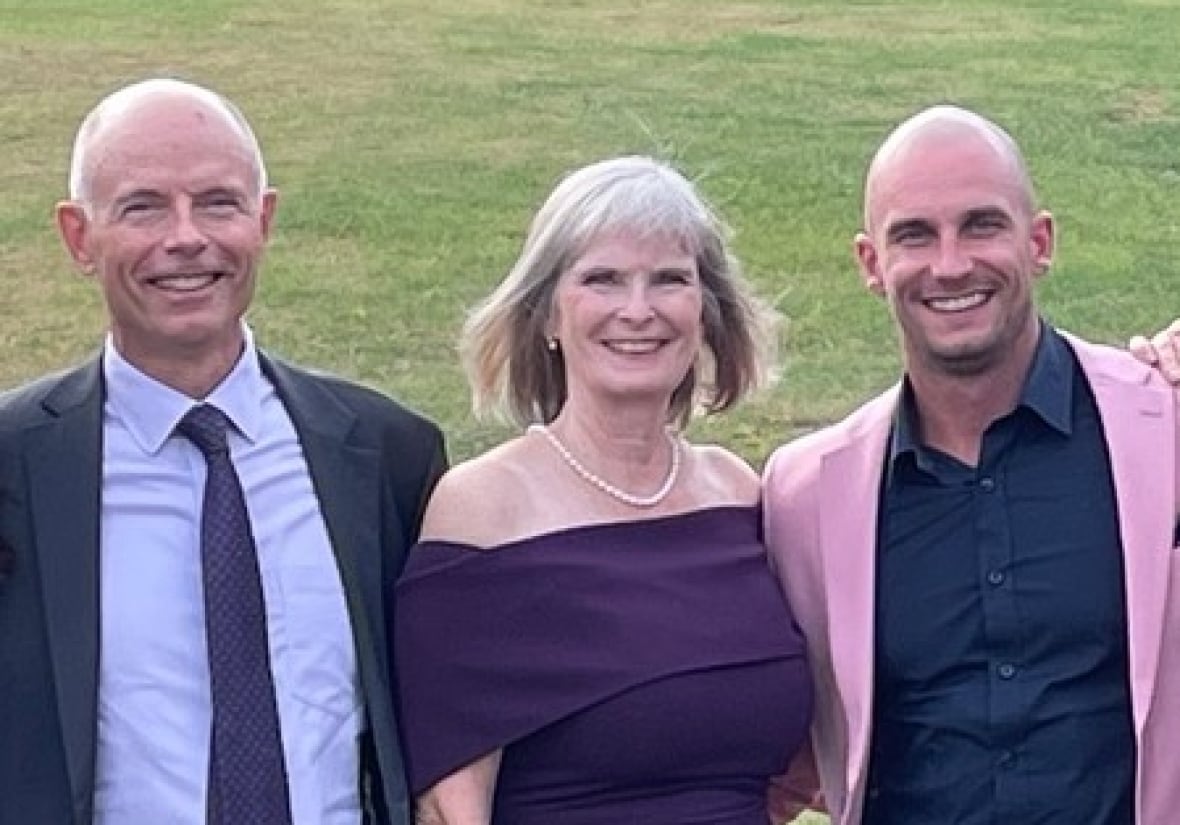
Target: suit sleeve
{"x": 437, "y": 466}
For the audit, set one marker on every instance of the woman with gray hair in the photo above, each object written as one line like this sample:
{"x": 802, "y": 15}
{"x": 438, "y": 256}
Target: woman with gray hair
{"x": 588, "y": 632}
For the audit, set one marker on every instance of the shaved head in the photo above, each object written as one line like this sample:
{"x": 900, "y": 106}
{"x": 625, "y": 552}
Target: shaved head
{"x": 114, "y": 110}
{"x": 953, "y": 241}
{"x": 941, "y": 125}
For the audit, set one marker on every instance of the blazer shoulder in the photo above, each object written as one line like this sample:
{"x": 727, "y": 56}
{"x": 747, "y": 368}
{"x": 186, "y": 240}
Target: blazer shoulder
{"x": 800, "y": 458}
{"x": 370, "y": 404}
{"x": 1106, "y": 363}
{"x": 38, "y": 400}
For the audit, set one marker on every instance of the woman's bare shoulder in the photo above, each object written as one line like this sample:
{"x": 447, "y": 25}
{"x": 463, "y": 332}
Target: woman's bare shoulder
{"x": 724, "y": 476}
{"x": 479, "y": 501}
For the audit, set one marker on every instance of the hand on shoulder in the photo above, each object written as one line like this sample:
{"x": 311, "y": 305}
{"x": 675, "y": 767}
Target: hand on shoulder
{"x": 1161, "y": 352}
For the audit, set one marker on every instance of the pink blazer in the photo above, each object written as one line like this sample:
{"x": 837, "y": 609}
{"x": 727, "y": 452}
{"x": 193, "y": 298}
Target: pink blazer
{"x": 821, "y": 498}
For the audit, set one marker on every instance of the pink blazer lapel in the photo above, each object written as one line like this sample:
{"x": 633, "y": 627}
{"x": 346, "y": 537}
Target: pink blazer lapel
{"x": 850, "y": 481}
{"x": 1139, "y": 421}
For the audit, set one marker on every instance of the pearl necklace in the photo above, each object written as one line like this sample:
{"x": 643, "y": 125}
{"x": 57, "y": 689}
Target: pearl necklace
{"x": 604, "y": 485}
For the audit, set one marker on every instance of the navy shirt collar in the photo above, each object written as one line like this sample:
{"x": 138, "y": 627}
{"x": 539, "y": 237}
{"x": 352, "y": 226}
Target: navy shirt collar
{"x": 1048, "y": 394}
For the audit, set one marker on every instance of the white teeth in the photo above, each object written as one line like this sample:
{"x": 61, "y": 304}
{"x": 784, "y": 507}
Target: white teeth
{"x": 957, "y": 304}
{"x": 634, "y": 347}
{"x": 184, "y": 283}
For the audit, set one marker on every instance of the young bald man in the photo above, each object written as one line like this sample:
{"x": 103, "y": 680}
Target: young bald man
{"x": 203, "y": 539}
{"x": 983, "y": 558}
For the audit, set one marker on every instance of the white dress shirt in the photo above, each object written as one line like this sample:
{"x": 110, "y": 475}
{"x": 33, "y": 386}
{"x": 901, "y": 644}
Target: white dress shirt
{"x": 153, "y": 688}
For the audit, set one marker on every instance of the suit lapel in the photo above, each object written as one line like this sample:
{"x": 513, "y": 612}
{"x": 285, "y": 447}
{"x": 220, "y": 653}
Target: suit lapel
{"x": 1140, "y": 428}
{"x": 346, "y": 477}
{"x": 347, "y": 480}
{"x": 347, "y": 483}
{"x": 850, "y": 489}
{"x": 64, "y": 468}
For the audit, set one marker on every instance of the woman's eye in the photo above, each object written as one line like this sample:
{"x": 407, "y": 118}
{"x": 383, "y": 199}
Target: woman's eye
{"x": 600, "y": 277}
{"x": 672, "y": 276}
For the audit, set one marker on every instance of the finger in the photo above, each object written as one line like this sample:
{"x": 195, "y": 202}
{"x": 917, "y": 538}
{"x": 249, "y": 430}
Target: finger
{"x": 1167, "y": 346}
{"x": 1142, "y": 349}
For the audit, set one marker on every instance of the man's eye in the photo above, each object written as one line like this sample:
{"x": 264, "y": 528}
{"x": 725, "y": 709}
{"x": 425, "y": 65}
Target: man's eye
{"x": 222, "y": 204}
{"x": 986, "y": 226}
{"x": 136, "y": 208}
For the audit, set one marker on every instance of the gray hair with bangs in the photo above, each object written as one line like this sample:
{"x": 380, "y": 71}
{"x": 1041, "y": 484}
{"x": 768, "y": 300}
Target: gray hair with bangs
{"x": 512, "y": 372}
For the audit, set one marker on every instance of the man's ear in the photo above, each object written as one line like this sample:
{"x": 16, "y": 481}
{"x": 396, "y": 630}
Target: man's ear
{"x": 270, "y": 201}
{"x": 1043, "y": 240}
{"x": 868, "y": 264}
{"x": 73, "y": 224}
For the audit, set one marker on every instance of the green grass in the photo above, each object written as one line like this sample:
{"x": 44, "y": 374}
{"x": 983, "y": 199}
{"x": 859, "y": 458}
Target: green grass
{"x": 412, "y": 139}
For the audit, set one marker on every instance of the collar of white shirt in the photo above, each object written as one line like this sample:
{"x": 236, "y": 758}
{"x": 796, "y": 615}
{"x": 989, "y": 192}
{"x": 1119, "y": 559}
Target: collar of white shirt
{"x": 151, "y": 410}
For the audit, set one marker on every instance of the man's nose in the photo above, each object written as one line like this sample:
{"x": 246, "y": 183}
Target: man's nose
{"x": 952, "y": 260}
{"x": 185, "y": 236}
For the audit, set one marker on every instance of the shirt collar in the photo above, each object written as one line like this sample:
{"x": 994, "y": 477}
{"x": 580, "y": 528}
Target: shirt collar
{"x": 904, "y": 438}
{"x": 1047, "y": 392}
{"x": 1048, "y": 389}
{"x": 151, "y": 410}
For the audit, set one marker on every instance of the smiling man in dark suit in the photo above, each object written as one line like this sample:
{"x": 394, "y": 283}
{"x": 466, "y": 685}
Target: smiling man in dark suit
{"x": 203, "y": 539}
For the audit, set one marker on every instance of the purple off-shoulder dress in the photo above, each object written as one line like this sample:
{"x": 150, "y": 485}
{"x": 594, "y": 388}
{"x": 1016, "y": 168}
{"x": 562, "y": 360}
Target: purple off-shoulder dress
{"x": 638, "y": 672}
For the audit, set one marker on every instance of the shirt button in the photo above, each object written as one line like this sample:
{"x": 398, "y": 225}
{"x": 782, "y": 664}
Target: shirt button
{"x": 1006, "y": 670}
{"x": 995, "y": 577}
{"x": 987, "y": 484}
{"x": 1006, "y": 759}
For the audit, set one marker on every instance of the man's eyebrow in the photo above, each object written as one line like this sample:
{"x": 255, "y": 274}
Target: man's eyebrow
{"x": 222, "y": 189}
{"x": 136, "y": 194}
{"x": 991, "y": 212}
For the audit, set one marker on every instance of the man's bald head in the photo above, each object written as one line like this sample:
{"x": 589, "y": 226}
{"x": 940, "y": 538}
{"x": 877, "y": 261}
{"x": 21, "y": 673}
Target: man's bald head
{"x": 115, "y": 109}
{"x": 936, "y": 126}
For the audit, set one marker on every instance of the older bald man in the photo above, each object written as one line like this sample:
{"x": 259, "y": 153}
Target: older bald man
{"x": 983, "y": 558}
{"x": 193, "y": 625}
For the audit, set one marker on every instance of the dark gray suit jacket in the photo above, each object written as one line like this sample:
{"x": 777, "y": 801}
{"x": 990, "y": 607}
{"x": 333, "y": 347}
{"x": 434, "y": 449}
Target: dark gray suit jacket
{"x": 372, "y": 464}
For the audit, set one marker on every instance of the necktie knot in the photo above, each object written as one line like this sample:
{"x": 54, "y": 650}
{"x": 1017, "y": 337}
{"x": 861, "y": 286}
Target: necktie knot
{"x": 206, "y": 427}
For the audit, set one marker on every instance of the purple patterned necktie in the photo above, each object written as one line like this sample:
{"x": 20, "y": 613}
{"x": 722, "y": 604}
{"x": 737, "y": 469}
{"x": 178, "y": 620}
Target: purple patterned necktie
{"x": 247, "y": 778}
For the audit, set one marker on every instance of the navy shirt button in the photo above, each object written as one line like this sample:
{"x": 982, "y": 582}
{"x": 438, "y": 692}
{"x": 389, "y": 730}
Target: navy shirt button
{"x": 987, "y": 484}
{"x": 1007, "y": 759}
{"x": 1006, "y": 670}
{"x": 995, "y": 577}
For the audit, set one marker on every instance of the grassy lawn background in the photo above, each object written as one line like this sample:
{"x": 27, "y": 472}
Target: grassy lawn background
{"x": 411, "y": 141}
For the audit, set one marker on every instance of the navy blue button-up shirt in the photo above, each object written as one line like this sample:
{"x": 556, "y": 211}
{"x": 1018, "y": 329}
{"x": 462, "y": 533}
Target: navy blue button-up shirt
{"x": 1001, "y": 679}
